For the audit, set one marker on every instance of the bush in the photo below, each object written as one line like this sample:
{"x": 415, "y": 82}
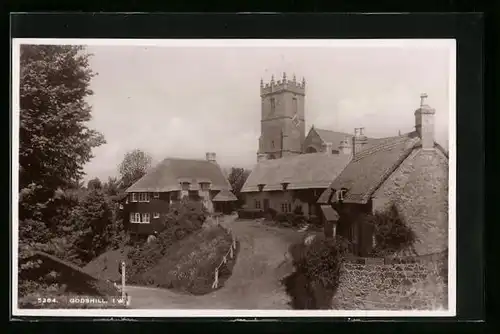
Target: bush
{"x": 290, "y": 219}
{"x": 250, "y": 213}
{"x": 182, "y": 220}
{"x": 315, "y": 221}
{"x": 392, "y": 235}
{"x": 317, "y": 273}
{"x": 190, "y": 264}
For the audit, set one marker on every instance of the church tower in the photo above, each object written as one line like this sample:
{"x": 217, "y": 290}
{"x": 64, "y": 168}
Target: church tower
{"x": 282, "y": 119}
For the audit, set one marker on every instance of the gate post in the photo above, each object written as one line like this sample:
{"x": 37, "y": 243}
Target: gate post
{"x": 123, "y": 280}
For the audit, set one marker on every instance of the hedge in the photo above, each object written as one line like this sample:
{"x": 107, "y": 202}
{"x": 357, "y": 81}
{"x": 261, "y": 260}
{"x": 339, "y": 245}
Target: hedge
{"x": 250, "y": 213}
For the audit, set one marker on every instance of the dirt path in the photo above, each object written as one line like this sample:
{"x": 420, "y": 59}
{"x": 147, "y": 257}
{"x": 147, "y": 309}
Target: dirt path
{"x": 254, "y": 283}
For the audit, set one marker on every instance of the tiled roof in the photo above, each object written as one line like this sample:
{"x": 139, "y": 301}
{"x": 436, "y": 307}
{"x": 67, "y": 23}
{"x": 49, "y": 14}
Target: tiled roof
{"x": 168, "y": 175}
{"x": 371, "y": 167}
{"x": 304, "y": 171}
{"x": 335, "y": 138}
{"x": 224, "y": 196}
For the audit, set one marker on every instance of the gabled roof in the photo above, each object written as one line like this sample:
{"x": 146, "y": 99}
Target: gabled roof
{"x": 169, "y": 173}
{"x": 224, "y": 196}
{"x": 304, "y": 171}
{"x": 371, "y": 167}
{"x": 335, "y": 138}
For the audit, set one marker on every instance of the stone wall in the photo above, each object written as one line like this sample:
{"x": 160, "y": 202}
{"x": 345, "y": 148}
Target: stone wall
{"x": 419, "y": 188}
{"x": 418, "y": 283}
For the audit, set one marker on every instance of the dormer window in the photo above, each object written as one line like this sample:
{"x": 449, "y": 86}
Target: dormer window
{"x": 133, "y": 197}
{"x": 341, "y": 194}
{"x": 261, "y": 187}
{"x": 204, "y": 186}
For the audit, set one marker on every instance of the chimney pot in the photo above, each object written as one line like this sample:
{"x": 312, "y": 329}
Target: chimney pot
{"x": 211, "y": 157}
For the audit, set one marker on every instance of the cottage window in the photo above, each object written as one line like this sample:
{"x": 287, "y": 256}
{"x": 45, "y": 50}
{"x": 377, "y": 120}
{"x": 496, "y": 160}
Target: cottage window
{"x": 143, "y": 197}
{"x": 132, "y": 217}
{"x": 134, "y": 197}
{"x": 286, "y": 207}
{"x": 341, "y": 194}
{"x": 205, "y": 186}
{"x": 145, "y": 218}
{"x": 137, "y": 217}
{"x": 156, "y": 195}
{"x": 156, "y": 215}
{"x": 257, "y": 204}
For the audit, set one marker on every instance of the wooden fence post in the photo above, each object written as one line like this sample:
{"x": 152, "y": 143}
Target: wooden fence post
{"x": 123, "y": 280}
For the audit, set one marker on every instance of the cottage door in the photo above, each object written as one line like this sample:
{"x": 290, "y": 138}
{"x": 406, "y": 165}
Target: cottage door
{"x": 266, "y": 204}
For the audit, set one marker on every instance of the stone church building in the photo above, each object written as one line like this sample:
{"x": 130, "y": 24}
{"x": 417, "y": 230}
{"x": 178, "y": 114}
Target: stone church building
{"x": 293, "y": 168}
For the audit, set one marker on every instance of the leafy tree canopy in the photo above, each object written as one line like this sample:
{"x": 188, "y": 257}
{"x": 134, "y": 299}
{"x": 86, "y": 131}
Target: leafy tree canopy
{"x": 135, "y": 164}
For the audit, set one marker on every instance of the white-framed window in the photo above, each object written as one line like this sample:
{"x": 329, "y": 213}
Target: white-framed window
{"x": 205, "y": 186}
{"x": 132, "y": 217}
{"x": 145, "y": 218}
{"x": 156, "y": 215}
{"x": 286, "y": 207}
{"x": 137, "y": 218}
{"x": 143, "y": 197}
{"x": 133, "y": 197}
{"x": 156, "y": 195}
{"x": 257, "y": 204}
{"x": 341, "y": 194}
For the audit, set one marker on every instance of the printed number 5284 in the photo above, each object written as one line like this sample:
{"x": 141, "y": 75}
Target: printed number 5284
{"x": 47, "y": 300}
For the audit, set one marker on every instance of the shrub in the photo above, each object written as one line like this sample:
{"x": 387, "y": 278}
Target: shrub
{"x": 190, "y": 264}
{"x": 317, "y": 273}
{"x": 250, "y": 213}
{"x": 315, "y": 221}
{"x": 182, "y": 220}
{"x": 290, "y": 219}
{"x": 391, "y": 232}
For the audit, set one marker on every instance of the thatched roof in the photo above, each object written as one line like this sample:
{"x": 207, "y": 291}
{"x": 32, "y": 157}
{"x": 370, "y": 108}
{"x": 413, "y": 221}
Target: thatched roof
{"x": 370, "y": 168}
{"x": 304, "y": 171}
{"x": 224, "y": 196}
{"x": 168, "y": 175}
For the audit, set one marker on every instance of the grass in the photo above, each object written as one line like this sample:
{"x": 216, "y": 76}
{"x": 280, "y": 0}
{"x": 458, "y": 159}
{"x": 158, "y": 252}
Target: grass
{"x": 189, "y": 265}
{"x": 105, "y": 266}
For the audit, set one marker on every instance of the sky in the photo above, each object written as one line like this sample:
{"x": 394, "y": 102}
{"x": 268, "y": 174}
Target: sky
{"x": 186, "y": 101}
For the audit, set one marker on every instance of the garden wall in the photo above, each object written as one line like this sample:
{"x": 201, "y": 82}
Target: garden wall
{"x": 393, "y": 284}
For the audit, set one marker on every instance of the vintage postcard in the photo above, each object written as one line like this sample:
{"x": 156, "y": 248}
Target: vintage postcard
{"x": 234, "y": 178}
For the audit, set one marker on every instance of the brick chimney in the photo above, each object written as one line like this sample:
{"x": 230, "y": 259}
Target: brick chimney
{"x": 359, "y": 141}
{"x": 211, "y": 157}
{"x": 424, "y": 123}
{"x": 345, "y": 147}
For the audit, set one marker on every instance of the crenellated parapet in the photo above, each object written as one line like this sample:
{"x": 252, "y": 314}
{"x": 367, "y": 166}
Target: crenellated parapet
{"x": 282, "y": 85}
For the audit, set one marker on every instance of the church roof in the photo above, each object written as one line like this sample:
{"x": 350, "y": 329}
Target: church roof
{"x": 169, "y": 173}
{"x": 335, "y": 138}
{"x": 371, "y": 167}
{"x": 304, "y": 171}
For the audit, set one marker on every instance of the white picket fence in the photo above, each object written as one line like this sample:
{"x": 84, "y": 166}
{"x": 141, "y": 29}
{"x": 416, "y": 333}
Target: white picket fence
{"x": 230, "y": 253}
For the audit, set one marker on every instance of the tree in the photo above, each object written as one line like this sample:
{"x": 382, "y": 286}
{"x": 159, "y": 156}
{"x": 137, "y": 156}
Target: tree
{"x": 92, "y": 224}
{"x": 94, "y": 184}
{"x": 237, "y": 178}
{"x": 54, "y": 139}
{"x": 135, "y": 164}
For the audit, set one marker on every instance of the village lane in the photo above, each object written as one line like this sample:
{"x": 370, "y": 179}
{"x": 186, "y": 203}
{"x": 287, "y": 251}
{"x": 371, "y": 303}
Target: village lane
{"x": 254, "y": 283}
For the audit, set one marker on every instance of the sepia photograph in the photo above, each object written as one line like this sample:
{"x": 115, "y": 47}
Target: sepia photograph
{"x": 162, "y": 178}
